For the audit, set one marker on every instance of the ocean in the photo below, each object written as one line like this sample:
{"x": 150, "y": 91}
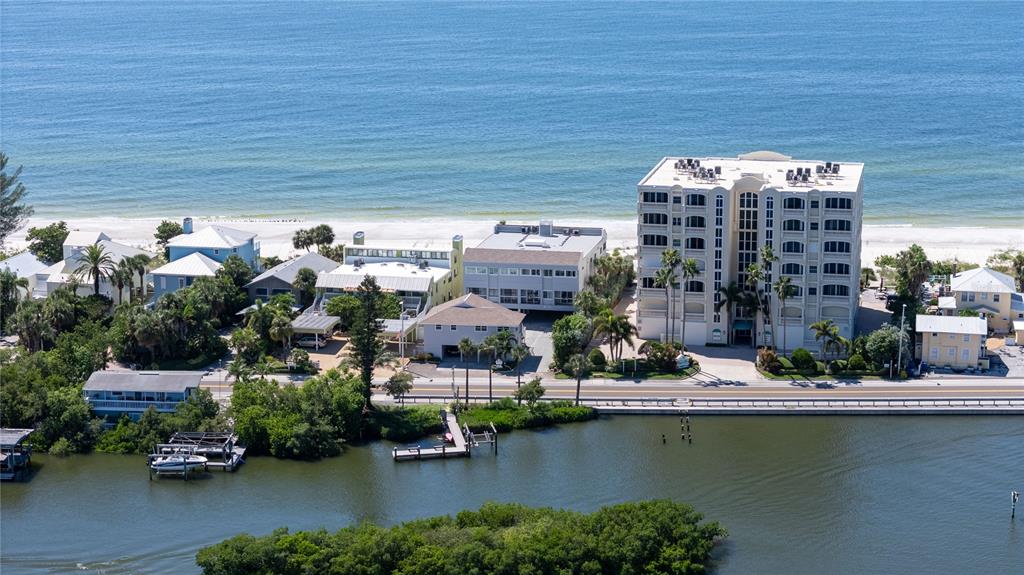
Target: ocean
{"x": 502, "y": 109}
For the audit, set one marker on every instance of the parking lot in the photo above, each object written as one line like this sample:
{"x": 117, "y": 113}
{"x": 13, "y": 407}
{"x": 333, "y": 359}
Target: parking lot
{"x": 1012, "y": 359}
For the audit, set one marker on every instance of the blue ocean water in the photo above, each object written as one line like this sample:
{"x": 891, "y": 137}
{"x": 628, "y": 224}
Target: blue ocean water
{"x": 473, "y": 109}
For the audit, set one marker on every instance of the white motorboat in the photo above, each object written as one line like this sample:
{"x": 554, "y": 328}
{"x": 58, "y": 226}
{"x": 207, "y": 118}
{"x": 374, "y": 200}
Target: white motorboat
{"x": 177, "y": 463}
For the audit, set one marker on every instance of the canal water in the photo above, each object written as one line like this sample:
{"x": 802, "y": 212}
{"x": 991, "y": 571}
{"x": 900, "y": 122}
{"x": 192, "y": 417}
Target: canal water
{"x": 798, "y": 494}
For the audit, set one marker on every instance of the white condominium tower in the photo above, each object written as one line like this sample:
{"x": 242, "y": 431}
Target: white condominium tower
{"x": 722, "y": 213}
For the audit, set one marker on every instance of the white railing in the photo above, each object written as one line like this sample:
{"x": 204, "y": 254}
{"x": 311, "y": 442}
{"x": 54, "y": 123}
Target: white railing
{"x": 132, "y": 405}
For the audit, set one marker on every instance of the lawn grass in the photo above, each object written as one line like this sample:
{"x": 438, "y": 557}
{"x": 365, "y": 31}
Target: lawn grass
{"x": 401, "y": 423}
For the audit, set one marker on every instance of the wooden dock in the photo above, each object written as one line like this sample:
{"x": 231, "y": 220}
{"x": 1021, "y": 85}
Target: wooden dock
{"x": 459, "y": 447}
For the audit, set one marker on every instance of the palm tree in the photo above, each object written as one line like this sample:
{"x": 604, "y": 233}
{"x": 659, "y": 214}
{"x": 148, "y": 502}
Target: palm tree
{"x": 768, "y": 259}
{"x": 784, "y": 289}
{"x": 618, "y": 329}
{"x": 825, "y": 332}
{"x": 95, "y": 264}
{"x": 867, "y": 275}
{"x": 755, "y": 275}
{"x": 123, "y": 274}
{"x": 31, "y": 326}
{"x": 688, "y": 270}
{"x": 280, "y": 329}
{"x": 59, "y": 309}
{"x": 670, "y": 260}
{"x": 580, "y": 366}
{"x": 490, "y": 346}
{"x": 466, "y": 349}
{"x": 666, "y": 278}
{"x": 519, "y": 353}
{"x": 732, "y": 295}
{"x": 10, "y": 283}
{"x": 139, "y": 263}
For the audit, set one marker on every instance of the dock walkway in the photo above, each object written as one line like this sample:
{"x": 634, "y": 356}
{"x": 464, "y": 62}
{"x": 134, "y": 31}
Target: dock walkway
{"x": 459, "y": 449}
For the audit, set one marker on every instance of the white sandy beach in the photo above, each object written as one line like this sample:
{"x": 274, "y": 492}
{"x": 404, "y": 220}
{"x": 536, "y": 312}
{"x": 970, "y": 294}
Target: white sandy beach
{"x": 968, "y": 244}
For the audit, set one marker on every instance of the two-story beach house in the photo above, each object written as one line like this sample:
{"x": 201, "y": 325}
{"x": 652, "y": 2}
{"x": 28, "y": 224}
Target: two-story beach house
{"x": 192, "y": 255}
{"x": 64, "y": 272}
{"x": 722, "y": 212}
{"x": 471, "y": 317}
{"x": 280, "y": 278}
{"x": 115, "y": 393}
{"x": 988, "y": 292}
{"x": 951, "y": 341}
{"x": 534, "y": 267}
{"x": 215, "y": 242}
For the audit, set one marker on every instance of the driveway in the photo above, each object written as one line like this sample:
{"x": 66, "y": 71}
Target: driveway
{"x": 725, "y": 364}
{"x": 538, "y": 338}
{"x": 1012, "y": 358}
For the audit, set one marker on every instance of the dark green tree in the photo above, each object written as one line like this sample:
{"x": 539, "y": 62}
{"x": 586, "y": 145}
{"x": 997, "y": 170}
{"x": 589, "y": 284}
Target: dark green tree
{"x": 13, "y": 209}
{"x": 367, "y": 344}
{"x": 47, "y": 242}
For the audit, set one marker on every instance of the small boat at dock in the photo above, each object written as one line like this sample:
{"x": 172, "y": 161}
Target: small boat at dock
{"x": 177, "y": 463}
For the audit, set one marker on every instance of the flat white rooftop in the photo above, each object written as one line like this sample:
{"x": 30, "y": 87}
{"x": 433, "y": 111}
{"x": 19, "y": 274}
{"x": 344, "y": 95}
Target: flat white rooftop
{"x": 770, "y": 167}
{"x": 390, "y": 276}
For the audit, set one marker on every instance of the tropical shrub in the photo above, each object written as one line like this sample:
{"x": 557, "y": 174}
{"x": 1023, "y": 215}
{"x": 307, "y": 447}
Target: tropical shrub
{"x": 856, "y": 363}
{"x": 569, "y": 335}
{"x": 597, "y": 358}
{"x": 662, "y": 356}
{"x": 802, "y": 359}
{"x": 768, "y": 360}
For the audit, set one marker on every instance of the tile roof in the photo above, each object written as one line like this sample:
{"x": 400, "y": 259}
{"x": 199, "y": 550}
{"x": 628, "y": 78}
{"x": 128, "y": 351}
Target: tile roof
{"x": 192, "y": 265}
{"x": 472, "y": 309}
{"x": 212, "y": 237}
{"x": 982, "y": 280}
{"x": 951, "y": 324}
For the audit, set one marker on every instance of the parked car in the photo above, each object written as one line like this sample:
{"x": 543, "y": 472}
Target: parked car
{"x": 307, "y": 341}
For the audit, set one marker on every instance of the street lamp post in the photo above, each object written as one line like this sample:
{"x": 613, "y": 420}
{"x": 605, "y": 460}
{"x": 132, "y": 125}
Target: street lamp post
{"x": 899, "y": 355}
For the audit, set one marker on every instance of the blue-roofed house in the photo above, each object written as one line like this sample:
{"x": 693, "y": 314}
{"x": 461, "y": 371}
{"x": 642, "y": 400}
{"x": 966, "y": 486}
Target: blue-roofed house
{"x": 216, "y": 243}
{"x": 181, "y": 273}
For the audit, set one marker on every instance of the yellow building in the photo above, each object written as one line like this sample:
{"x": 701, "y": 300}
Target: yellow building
{"x": 957, "y": 342}
{"x": 988, "y": 292}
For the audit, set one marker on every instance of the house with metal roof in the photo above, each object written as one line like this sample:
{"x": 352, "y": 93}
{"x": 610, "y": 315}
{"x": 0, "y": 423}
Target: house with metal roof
{"x": 533, "y": 267}
{"x": 115, "y": 393}
{"x": 215, "y": 242}
{"x": 419, "y": 287}
{"x": 62, "y": 273}
{"x": 280, "y": 278}
{"x": 957, "y": 342}
{"x": 988, "y": 292}
{"x": 472, "y": 317}
{"x": 26, "y": 266}
{"x": 182, "y": 272}
{"x": 15, "y": 455}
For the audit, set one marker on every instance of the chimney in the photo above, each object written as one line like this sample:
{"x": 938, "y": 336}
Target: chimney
{"x": 358, "y": 238}
{"x": 186, "y": 225}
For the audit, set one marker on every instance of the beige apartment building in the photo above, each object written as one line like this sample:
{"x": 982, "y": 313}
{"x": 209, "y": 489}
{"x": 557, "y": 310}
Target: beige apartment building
{"x": 721, "y": 212}
{"x": 988, "y": 292}
{"x": 951, "y": 341}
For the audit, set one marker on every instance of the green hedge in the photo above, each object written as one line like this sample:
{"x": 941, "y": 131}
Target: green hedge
{"x": 506, "y": 415}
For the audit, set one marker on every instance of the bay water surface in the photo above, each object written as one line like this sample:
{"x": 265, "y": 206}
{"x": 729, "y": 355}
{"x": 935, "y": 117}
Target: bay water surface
{"x": 799, "y": 495}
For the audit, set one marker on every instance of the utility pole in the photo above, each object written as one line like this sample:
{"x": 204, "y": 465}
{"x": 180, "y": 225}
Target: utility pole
{"x": 899, "y": 360}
